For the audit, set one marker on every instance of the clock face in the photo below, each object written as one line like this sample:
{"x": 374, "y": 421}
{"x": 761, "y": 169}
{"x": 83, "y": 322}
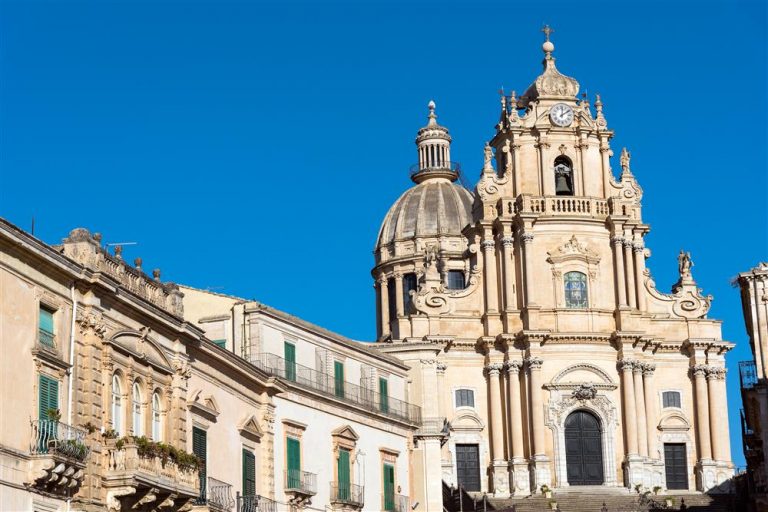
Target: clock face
{"x": 561, "y": 114}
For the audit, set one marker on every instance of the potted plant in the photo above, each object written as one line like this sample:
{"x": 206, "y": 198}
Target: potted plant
{"x": 546, "y": 491}
{"x": 638, "y": 487}
{"x": 54, "y": 414}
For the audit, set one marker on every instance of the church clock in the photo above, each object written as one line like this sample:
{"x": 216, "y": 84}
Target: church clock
{"x": 561, "y": 114}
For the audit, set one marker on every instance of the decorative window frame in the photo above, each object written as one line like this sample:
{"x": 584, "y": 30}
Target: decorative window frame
{"x": 388, "y": 456}
{"x": 456, "y": 406}
{"x": 661, "y": 400}
{"x": 344, "y": 438}
{"x": 676, "y": 434}
{"x": 573, "y": 256}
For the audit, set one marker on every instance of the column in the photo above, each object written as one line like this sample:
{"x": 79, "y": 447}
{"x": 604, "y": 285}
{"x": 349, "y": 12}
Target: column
{"x": 537, "y": 405}
{"x": 618, "y": 255}
{"x": 399, "y": 294}
{"x": 527, "y": 239}
{"x": 630, "y": 418}
{"x": 702, "y": 410}
{"x": 639, "y": 250}
{"x": 497, "y": 434}
{"x": 650, "y": 408}
{"x": 517, "y": 451}
{"x": 384, "y": 299}
{"x": 507, "y": 247}
{"x": 491, "y": 283}
{"x": 442, "y": 406}
{"x": 628, "y": 272}
{"x": 642, "y": 436}
{"x": 718, "y": 420}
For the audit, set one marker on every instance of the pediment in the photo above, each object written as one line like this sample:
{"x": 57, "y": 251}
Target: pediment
{"x": 674, "y": 422}
{"x": 249, "y": 428}
{"x": 582, "y": 373}
{"x": 573, "y": 249}
{"x": 346, "y": 432}
{"x": 205, "y": 406}
{"x": 142, "y": 347}
{"x": 467, "y": 421}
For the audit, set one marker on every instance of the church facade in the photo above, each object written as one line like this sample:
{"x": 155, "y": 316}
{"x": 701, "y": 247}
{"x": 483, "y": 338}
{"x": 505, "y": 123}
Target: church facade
{"x": 533, "y": 328}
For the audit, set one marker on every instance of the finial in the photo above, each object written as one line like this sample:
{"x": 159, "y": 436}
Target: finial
{"x": 548, "y": 47}
{"x": 156, "y": 274}
{"x": 137, "y": 263}
{"x": 432, "y": 115}
{"x": 598, "y": 103}
{"x": 624, "y": 160}
{"x": 97, "y": 237}
{"x": 119, "y": 252}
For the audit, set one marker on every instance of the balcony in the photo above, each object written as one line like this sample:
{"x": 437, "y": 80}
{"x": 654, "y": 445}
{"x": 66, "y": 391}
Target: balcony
{"x": 300, "y": 482}
{"x": 324, "y": 383}
{"x": 395, "y": 502}
{"x": 439, "y": 168}
{"x": 136, "y": 476}
{"x": 59, "y": 452}
{"x": 747, "y": 374}
{"x": 349, "y": 495}
{"x": 590, "y": 207}
{"x": 218, "y": 496}
{"x": 255, "y": 503}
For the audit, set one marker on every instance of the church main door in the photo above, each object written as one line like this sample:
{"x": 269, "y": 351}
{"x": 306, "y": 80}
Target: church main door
{"x": 583, "y": 449}
{"x": 468, "y": 466}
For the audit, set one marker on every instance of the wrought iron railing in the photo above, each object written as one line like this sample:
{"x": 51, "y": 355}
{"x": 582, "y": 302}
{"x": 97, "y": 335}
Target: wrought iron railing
{"x": 46, "y": 340}
{"x": 255, "y": 503}
{"x": 51, "y": 436}
{"x": 219, "y": 494}
{"x": 747, "y": 374}
{"x": 327, "y": 384}
{"x": 394, "y": 502}
{"x": 436, "y": 166}
{"x": 349, "y": 494}
{"x": 299, "y": 481}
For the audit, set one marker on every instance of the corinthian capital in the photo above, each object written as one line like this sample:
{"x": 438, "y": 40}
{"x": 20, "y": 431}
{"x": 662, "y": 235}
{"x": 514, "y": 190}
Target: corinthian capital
{"x": 493, "y": 369}
{"x": 507, "y": 241}
{"x": 526, "y": 238}
{"x": 648, "y": 369}
{"x": 716, "y": 373}
{"x": 699, "y": 370}
{"x": 627, "y": 365}
{"x": 513, "y": 366}
{"x": 534, "y": 363}
{"x": 487, "y": 244}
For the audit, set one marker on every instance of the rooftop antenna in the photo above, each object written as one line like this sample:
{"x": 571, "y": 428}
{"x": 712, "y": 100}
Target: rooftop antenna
{"x": 32, "y": 231}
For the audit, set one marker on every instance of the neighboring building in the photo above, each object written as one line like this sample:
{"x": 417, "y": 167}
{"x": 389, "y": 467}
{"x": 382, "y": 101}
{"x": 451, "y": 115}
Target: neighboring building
{"x": 342, "y": 428}
{"x": 754, "y": 381}
{"x": 530, "y": 321}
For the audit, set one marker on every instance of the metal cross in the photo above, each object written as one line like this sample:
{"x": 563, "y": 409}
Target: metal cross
{"x": 547, "y": 30}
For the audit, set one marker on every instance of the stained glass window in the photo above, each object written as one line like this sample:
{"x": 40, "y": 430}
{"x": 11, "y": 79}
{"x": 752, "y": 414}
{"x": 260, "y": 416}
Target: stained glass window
{"x": 575, "y": 290}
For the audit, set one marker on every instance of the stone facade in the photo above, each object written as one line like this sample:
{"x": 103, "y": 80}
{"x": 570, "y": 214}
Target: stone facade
{"x": 539, "y": 311}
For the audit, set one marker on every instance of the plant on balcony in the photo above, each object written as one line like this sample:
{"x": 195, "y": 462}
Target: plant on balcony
{"x": 75, "y": 449}
{"x": 110, "y": 433}
{"x": 148, "y": 449}
{"x": 90, "y": 427}
{"x": 53, "y": 414}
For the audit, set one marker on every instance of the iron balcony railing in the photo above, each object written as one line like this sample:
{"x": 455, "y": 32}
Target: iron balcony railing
{"x": 219, "y": 494}
{"x": 299, "y": 481}
{"x": 437, "y": 166}
{"x": 328, "y": 385}
{"x": 46, "y": 340}
{"x": 51, "y": 436}
{"x": 348, "y": 494}
{"x": 394, "y": 502}
{"x": 255, "y": 503}
{"x": 747, "y": 374}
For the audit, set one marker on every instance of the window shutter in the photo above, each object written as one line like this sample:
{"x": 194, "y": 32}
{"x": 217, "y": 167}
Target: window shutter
{"x": 46, "y": 320}
{"x": 343, "y": 474}
{"x": 48, "y": 396}
{"x": 290, "y": 361}
{"x": 389, "y": 487}
{"x": 199, "y": 448}
{"x": 293, "y": 449}
{"x": 383, "y": 394}
{"x": 249, "y": 473}
{"x": 338, "y": 376}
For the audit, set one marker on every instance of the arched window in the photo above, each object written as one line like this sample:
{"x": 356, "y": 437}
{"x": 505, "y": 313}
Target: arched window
{"x": 409, "y": 284}
{"x": 117, "y": 405}
{"x": 456, "y": 280}
{"x": 137, "y": 416}
{"x": 563, "y": 176}
{"x": 575, "y": 290}
{"x": 157, "y": 431}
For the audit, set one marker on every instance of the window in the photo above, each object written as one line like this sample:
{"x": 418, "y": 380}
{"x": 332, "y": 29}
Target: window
{"x": 117, "y": 405}
{"x": 338, "y": 379}
{"x": 342, "y": 476}
{"x": 388, "y": 471}
{"x": 200, "y": 448}
{"x": 290, "y": 361}
{"x": 563, "y": 176}
{"x": 48, "y": 397}
{"x": 138, "y": 417}
{"x": 222, "y": 343}
{"x": 409, "y": 284}
{"x": 671, "y": 399}
{"x": 293, "y": 459}
{"x": 392, "y": 298}
{"x": 575, "y": 290}
{"x": 383, "y": 395}
{"x": 465, "y": 398}
{"x": 456, "y": 280}
{"x": 157, "y": 430}
{"x": 249, "y": 473}
{"x": 45, "y": 327}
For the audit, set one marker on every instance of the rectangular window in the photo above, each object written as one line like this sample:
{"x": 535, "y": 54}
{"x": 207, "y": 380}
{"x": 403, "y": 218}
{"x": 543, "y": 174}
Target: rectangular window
{"x": 409, "y": 284}
{"x": 45, "y": 327}
{"x": 338, "y": 379}
{"x": 465, "y": 398}
{"x": 290, "y": 361}
{"x": 293, "y": 460}
{"x": 199, "y": 448}
{"x": 222, "y": 343}
{"x": 342, "y": 475}
{"x": 671, "y": 399}
{"x": 455, "y": 280}
{"x": 389, "y": 487}
{"x": 383, "y": 395}
{"x": 48, "y": 397}
{"x": 249, "y": 473}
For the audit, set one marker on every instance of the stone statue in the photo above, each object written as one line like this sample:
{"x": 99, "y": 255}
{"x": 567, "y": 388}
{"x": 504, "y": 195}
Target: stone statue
{"x": 488, "y": 153}
{"x": 624, "y": 159}
{"x": 684, "y": 264}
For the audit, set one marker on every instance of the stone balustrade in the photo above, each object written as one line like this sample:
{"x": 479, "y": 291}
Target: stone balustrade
{"x": 125, "y": 461}
{"x": 563, "y": 205}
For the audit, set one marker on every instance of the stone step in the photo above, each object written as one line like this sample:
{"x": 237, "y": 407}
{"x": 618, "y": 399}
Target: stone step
{"x": 581, "y": 501}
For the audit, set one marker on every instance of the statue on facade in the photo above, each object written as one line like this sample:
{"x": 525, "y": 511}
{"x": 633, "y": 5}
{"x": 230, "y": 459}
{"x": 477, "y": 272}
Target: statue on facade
{"x": 488, "y": 155}
{"x": 624, "y": 159}
{"x": 684, "y": 264}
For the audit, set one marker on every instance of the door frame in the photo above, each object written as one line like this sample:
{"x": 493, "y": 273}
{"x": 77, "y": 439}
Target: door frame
{"x": 479, "y": 466}
{"x": 600, "y": 437}
{"x": 687, "y": 476}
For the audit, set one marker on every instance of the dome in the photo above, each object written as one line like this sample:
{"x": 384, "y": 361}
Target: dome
{"x": 431, "y": 208}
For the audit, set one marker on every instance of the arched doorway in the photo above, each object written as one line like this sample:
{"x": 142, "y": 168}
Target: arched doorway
{"x": 583, "y": 449}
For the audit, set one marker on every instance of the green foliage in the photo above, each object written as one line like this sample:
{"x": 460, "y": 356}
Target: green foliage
{"x": 656, "y": 490}
{"x": 149, "y": 449}
{"x": 109, "y": 434}
{"x": 75, "y": 449}
{"x": 90, "y": 427}
{"x": 53, "y": 414}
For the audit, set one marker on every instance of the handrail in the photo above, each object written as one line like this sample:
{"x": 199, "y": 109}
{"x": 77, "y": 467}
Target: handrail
{"x": 219, "y": 494}
{"x": 439, "y": 166}
{"x": 394, "y": 502}
{"x": 300, "y": 481}
{"x": 52, "y": 436}
{"x": 46, "y": 340}
{"x": 326, "y": 384}
{"x": 352, "y": 494}
{"x": 255, "y": 503}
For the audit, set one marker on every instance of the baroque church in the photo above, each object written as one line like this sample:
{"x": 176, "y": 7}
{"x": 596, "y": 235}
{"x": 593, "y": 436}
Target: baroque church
{"x": 541, "y": 351}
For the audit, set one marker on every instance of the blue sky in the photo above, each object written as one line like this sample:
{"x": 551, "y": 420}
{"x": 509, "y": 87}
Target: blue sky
{"x": 253, "y": 148}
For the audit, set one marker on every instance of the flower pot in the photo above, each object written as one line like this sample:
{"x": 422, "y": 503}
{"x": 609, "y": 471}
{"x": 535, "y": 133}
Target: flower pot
{"x": 548, "y": 494}
{"x": 553, "y": 505}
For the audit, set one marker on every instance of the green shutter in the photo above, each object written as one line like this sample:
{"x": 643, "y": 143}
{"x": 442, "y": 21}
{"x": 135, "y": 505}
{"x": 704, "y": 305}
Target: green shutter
{"x": 290, "y": 361}
{"x": 199, "y": 448}
{"x": 293, "y": 456}
{"x": 249, "y": 473}
{"x": 342, "y": 473}
{"x": 338, "y": 378}
{"x": 46, "y": 320}
{"x": 389, "y": 487}
{"x": 48, "y": 396}
{"x": 222, "y": 343}
{"x": 383, "y": 394}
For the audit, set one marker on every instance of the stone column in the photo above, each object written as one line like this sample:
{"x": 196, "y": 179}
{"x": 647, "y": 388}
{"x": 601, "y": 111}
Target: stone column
{"x": 500, "y": 472}
{"x": 630, "y": 418}
{"x": 650, "y": 408}
{"x": 718, "y": 404}
{"x": 639, "y": 250}
{"x": 702, "y": 411}
{"x": 642, "y": 436}
{"x": 491, "y": 279}
{"x": 540, "y": 462}
{"x": 442, "y": 406}
{"x": 384, "y": 299}
{"x": 507, "y": 246}
{"x": 527, "y": 239}
{"x": 618, "y": 254}
{"x": 399, "y": 294}
{"x": 519, "y": 482}
{"x": 628, "y": 272}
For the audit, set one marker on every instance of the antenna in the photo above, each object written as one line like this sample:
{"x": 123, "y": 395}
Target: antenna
{"x": 32, "y": 232}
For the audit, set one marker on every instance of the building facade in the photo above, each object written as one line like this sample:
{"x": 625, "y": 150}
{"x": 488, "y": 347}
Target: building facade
{"x": 754, "y": 381}
{"x": 527, "y": 304}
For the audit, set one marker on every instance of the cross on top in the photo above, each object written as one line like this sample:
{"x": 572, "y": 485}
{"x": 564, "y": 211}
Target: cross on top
{"x": 547, "y": 31}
